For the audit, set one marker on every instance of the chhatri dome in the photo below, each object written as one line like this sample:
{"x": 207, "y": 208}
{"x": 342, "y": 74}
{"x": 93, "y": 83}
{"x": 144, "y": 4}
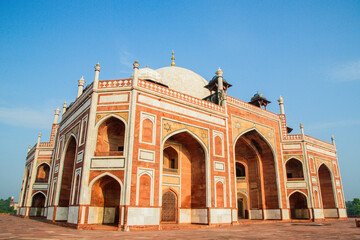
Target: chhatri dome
{"x": 183, "y": 80}
{"x": 149, "y": 74}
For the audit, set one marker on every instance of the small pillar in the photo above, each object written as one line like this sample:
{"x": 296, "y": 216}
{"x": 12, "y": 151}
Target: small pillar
{"x": 81, "y": 82}
{"x": 302, "y": 130}
{"x": 29, "y": 148}
{"x": 97, "y": 73}
{"x": 56, "y": 117}
{"x": 333, "y": 141}
{"x": 64, "y": 108}
{"x": 221, "y": 97}
{"x": 39, "y": 137}
{"x": 281, "y": 105}
{"x": 136, "y": 73}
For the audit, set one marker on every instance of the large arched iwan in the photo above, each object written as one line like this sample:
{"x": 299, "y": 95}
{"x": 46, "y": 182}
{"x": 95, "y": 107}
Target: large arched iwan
{"x": 67, "y": 173}
{"x": 255, "y": 152}
{"x": 105, "y": 198}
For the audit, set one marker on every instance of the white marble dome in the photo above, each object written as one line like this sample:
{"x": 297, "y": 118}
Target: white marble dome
{"x": 184, "y": 80}
{"x": 149, "y": 74}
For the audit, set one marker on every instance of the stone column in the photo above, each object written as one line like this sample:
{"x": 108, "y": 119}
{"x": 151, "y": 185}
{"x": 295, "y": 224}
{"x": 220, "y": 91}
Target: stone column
{"x": 221, "y": 97}
{"x": 57, "y": 112}
{"x": 281, "y": 105}
{"x": 81, "y": 82}
{"x": 64, "y": 108}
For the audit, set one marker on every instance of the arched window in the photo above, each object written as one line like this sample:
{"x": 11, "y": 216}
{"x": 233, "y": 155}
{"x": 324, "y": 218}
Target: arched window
{"x": 110, "y": 138}
{"x": 294, "y": 170}
{"x": 240, "y": 171}
{"x": 42, "y": 173}
{"x": 170, "y": 160}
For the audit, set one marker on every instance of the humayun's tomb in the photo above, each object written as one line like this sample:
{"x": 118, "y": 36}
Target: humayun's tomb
{"x": 166, "y": 146}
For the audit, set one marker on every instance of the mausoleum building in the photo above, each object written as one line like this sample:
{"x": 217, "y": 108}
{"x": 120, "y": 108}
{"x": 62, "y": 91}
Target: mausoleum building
{"x": 167, "y": 146}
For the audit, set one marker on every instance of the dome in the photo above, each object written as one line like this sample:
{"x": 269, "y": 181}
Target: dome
{"x": 184, "y": 80}
{"x": 149, "y": 74}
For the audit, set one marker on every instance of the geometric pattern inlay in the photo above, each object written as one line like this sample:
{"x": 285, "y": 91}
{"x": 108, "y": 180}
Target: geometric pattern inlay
{"x": 169, "y": 127}
{"x": 240, "y": 125}
{"x": 123, "y": 115}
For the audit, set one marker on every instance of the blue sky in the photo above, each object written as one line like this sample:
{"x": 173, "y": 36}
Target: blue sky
{"x": 306, "y": 51}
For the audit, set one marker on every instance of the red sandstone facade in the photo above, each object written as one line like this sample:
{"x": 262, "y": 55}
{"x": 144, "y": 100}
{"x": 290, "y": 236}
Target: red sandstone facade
{"x": 139, "y": 153}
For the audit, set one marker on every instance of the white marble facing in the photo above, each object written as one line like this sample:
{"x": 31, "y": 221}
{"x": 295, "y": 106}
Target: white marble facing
{"x": 314, "y": 180}
{"x": 75, "y": 114}
{"x": 318, "y": 214}
{"x": 180, "y": 110}
{"x": 199, "y": 216}
{"x": 109, "y": 215}
{"x": 291, "y": 146}
{"x": 73, "y": 214}
{"x": 255, "y": 214}
{"x": 295, "y": 185}
{"x": 219, "y": 166}
{"x": 143, "y": 216}
{"x": 331, "y": 213}
{"x": 185, "y": 216}
{"x": 220, "y": 216}
{"x": 34, "y": 211}
{"x": 39, "y": 186}
{"x": 95, "y": 215}
{"x": 316, "y": 149}
{"x": 113, "y": 98}
{"x": 42, "y": 153}
{"x": 234, "y": 215}
{"x": 285, "y": 214}
{"x": 342, "y": 212}
{"x": 50, "y": 213}
{"x": 61, "y": 213}
{"x": 146, "y": 155}
{"x": 22, "y": 211}
{"x": 272, "y": 214}
{"x": 107, "y": 163}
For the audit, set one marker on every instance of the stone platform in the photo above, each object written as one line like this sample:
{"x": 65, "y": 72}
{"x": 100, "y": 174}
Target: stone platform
{"x": 19, "y": 228}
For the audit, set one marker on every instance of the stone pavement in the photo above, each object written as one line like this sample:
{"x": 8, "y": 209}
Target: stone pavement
{"x": 18, "y": 228}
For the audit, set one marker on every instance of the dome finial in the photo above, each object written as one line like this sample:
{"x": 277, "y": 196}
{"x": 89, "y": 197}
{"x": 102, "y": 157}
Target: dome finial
{"x": 173, "y": 58}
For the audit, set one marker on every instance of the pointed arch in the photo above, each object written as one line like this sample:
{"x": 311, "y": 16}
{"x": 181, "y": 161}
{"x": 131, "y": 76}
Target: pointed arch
{"x": 299, "y": 205}
{"x": 267, "y": 157}
{"x": 110, "y": 175}
{"x": 294, "y": 169}
{"x": 327, "y": 187}
{"x": 111, "y": 136}
{"x": 169, "y": 207}
{"x": 262, "y": 136}
{"x": 107, "y": 117}
{"x": 68, "y": 160}
{"x": 43, "y": 172}
{"x": 207, "y": 162}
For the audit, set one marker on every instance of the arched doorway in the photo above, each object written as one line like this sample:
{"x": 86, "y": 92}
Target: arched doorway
{"x": 42, "y": 173}
{"x": 105, "y": 200}
{"x": 184, "y": 161}
{"x": 327, "y": 191}
{"x": 243, "y": 212}
{"x": 169, "y": 207}
{"x": 110, "y": 138}
{"x": 294, "y": 170}
{"x": 67, "y": 173}
{"x": 298, "y": 206}
{"x": 37, "y": 205}
{"x": 253, "y": 150}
